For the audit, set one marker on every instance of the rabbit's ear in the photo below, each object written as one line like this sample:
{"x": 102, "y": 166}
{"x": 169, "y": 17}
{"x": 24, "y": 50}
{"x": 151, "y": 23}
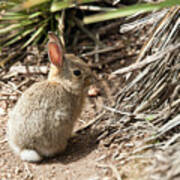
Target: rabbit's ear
{"x": 55, "y": 50}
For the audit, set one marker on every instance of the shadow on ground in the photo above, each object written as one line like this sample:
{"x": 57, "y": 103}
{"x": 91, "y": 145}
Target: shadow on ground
{"x": 78, "y": 147}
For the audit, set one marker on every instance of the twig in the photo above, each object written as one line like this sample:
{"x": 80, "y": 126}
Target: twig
{"x": 115, "y": 171}
{"x": 115, "y": 2}
{"x": 29, "y": 69}
{"x": 11, "y": 56}
{"x": 171, "y": 141}
{"x": 143, "y": 148}
{"x": 147, "y": 61}
{"x": 150, "y": 19}
{"x": 117, "y": 111}
{"x": 112, "y": 167}
{"x": 81, "y": 26}
{"x": 61, "y": 27}
{"x": 134, "y": 115}
{"x": 147, "y": 103}
{"x": 96, "y": 48}
{"x": 95, "y": 8}
{"x": 3, "y": 141}
{"x": 164, "y": 22}
{"x": 104, "y": 50}
{"x": 168, "y": 126}
{"x": 89, "y": 124}
{"x": 11, "y": 86}
{"x": 135, "y": 157}
{"x": 29, "y": 174}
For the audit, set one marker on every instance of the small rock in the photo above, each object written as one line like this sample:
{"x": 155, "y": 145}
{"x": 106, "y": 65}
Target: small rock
{"x": 94, "y": 178}
{"x": 18, "y": 170}
{"x": 106, "y": 178}
{"x": 93, "y": 91}
{"x": 2, "y": 112}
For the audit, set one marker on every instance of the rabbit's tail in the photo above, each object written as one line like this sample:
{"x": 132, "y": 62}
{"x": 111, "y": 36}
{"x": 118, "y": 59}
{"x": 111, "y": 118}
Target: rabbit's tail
{"x": 30, "y": 155}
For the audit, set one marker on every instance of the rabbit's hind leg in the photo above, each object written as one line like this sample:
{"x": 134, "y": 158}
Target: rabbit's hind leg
{"x": 14, "y": 147}
{"x": 54, "y": 150}
{"x": 25, "y": 154}
{"x": 30, "y": 155}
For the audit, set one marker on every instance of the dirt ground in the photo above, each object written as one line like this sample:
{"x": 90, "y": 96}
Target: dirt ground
{"x": 90, "y": 155}
{"x": 99, "y": 152}
{"x": 108, "y": 144}
{"x": 78, "y": 162}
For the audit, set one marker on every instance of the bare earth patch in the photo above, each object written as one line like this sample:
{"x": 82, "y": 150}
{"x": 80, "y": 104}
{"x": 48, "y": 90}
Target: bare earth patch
{"x": 130, "y": 130}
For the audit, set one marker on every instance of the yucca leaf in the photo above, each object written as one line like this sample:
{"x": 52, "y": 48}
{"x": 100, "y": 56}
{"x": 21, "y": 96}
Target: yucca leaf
{"x": 57, "y": 5}
{"x": 36, "y": 14}
{"x": 8, "y": 58}
{"x": 35, "y": 35}
{"x": 36, "y": 40}
{"x": 126, "y": 11}
{"x": 20, "y": 36}
{"x": 8, "y": 37}
{"x": 15, "y": 26}
{"x": 30, "y": 3}
{"x": 18, "y": 16}
{"x": 6, "y": 4}
{"x": 9, "y": 28}
{"x": 3, "y": 25}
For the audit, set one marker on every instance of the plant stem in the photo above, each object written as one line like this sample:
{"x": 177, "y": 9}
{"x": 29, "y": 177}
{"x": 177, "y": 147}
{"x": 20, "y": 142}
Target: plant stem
{"x": 129, "y": 11}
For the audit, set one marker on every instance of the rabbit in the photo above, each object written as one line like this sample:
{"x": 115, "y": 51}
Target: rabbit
{"x": 42, "y": 121}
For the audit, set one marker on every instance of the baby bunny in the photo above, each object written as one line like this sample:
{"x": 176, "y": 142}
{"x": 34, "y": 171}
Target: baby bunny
{"x": 42, "y": 120}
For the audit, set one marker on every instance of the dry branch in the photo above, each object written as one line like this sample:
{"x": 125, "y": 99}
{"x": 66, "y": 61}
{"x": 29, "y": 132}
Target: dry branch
{"x": 148, "y": 60}
{"x": 29, "y": 69}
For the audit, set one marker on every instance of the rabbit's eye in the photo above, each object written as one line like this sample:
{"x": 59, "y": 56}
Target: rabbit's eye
{"x": 77, "y": 72}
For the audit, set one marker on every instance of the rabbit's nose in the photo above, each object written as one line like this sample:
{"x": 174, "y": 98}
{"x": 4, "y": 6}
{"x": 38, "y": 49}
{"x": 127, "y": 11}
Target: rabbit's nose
{"x": 88, "y": 81}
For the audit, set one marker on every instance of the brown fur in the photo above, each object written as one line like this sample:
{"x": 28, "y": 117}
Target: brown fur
{"x": 44, "y": 116}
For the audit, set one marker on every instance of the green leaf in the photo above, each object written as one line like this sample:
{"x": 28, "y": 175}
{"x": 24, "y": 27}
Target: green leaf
{"x": 30, "y": 3}
{"x": 35, "y": 35}
{"x": 19, "y": 16}
{"x": 20, "y": 36}
{"x": 150, "y": 118}
{"x": 57, "y": 5}
{"x": 126, "y": 11}
{"x": 16, "y": 26}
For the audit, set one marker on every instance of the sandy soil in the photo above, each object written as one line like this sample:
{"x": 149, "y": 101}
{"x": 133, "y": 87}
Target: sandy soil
{"x": 78, "y": 162}
{"x": 86, "y": 158}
